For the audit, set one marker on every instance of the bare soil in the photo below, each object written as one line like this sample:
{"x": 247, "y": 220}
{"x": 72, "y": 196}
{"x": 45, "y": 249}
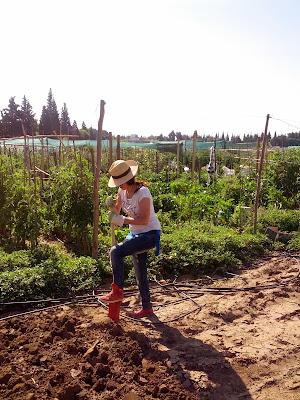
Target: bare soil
{"x": 232, "y": 345}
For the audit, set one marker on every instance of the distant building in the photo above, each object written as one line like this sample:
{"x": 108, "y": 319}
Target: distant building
{"x": 136, "y": 139}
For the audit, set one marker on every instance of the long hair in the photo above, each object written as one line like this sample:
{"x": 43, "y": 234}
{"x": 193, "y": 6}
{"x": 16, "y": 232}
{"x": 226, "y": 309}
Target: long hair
{"x": 132, "y": 181}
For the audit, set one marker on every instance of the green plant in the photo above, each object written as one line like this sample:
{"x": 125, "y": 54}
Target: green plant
{"x": 200, "y": 248}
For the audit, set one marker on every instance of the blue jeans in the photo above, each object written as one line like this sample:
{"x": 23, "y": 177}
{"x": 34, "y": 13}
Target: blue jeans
{"x": 136, "y": 247}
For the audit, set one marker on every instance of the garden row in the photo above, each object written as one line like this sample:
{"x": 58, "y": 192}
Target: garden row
{"x": 204, "y": 226}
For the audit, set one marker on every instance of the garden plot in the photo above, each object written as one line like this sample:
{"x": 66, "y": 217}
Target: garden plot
{"x": 239, "y": 345}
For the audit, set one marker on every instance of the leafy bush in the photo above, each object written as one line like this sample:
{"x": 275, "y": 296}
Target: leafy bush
{"x": 196, "y": 249}
{"x": 284, "y": 176}
{"x": 18, "y": 259}
{"x": 36, "y": 277}
{"x": 294, "y": 243}
{"x": 285, "y": 220}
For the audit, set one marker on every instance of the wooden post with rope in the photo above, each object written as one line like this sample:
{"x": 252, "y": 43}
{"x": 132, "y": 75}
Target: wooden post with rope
{"x": 96, "y": 183}
{"x": 260, "y": 174}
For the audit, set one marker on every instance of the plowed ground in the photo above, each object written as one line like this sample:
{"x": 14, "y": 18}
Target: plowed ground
{"x": 238, "y": 345}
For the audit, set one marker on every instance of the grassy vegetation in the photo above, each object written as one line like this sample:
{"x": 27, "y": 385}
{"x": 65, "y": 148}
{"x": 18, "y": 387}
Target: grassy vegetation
{"x": 205, "y": 228}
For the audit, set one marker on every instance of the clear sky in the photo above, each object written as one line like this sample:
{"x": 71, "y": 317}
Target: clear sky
{"x": 160, "y": 65}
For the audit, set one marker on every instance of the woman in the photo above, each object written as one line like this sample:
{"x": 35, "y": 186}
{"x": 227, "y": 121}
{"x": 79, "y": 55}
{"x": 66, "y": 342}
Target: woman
{"x": 135, "y": 199}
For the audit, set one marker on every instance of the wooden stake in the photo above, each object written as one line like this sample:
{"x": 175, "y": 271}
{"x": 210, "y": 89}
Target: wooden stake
{"x": 27, "y": 156}
{"x": 96, "y": 182}
{"x": 194, "y": 155}
{"x": 178, "y": 151}
{"x": 260, "y": 174}
{"x": 34, "y": 239}
{"x": 42, "y": 161}
{"x": 110, "y": 150}
{"x": 257, "y": 154}
{"x": 215, "y": 160}
{"x": 11, "y": 164}
{"x": 92, "y": 160}
{"x": 118, "y": 148}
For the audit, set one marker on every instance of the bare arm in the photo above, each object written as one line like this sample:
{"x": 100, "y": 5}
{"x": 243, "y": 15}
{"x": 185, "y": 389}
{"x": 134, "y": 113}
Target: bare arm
{"x": 143, "y": 217}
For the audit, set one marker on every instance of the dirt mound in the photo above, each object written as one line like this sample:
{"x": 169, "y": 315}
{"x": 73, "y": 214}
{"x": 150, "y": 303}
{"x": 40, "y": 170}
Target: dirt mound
{"x": 239, "y": 345}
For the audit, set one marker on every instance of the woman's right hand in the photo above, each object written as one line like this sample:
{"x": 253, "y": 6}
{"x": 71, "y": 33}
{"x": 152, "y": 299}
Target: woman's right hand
{"x": 115, "y": 219}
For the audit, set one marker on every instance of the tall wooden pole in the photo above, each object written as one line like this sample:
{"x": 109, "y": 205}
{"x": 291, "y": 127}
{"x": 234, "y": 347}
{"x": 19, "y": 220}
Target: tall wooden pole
{"x": 215, "y": 160}
{"x": 110, "y": 149}
{"x": 184, "y": 154}
{"x": 92, "y": 160}
{"x": 118, "y": 150}
{"x": 260, "y": 174}
{"x": 96, "y": 182}
{"x": 257, "y": 154}
{"x": 194, "y": 155}
{"x": 34, "y": 241}
{"x": 178, "y": 153}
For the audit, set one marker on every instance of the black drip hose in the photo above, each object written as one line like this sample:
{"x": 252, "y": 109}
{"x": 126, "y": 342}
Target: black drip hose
{"x": 185, "y": 287}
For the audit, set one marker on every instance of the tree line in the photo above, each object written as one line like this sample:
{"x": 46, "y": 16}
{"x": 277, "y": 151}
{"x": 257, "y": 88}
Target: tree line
{"x": 19, "y": 119}
{"x": 291, "y": 139}
{"x": 15, "y": 119}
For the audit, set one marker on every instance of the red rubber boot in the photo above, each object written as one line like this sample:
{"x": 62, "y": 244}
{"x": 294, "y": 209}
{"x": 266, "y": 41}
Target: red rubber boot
{"x": 114, "y": 296}
{"x": 142, "y": 313}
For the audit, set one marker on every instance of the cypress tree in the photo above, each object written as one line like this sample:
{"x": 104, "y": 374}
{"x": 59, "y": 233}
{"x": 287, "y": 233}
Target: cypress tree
{"x": 65, "y": 121}
{"x": 45, "y": 123}
{"x": 28, "y": 116}
{"x": 75, "y": 130}
{"x": 49, "y": 121}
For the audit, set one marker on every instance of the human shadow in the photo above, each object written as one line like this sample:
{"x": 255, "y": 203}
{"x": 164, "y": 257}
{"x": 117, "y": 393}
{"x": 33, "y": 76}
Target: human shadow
{"x": 200, "y": 367}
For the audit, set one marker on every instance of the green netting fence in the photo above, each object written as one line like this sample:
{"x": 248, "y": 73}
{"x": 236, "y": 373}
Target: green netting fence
{"x": 159, "y": 146}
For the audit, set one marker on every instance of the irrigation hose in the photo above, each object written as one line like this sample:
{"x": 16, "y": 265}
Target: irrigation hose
{"x": 60, "y": 299}
{"x": 141, "y": 321}
{"x": 184, "y": 287}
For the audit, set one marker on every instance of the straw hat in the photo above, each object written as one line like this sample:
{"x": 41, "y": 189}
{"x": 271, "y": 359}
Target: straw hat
{"x": 122, "y": 171}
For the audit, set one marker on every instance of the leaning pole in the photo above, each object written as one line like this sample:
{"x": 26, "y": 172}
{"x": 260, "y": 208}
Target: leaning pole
{"x": 260, "y": 174}
{"x": 96, "y": 183}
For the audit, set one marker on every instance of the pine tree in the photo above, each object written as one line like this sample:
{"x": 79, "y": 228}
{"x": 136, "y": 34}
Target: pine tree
{"x": 65, "y": 121}
{"x": 28, "y": 117}
{"x": 45, "y": 123}
{"x": 75, "y": 130}
{"x": 50, "y": 118}
{"x": 54, "y": 117}
{"x": 11, "y": 125}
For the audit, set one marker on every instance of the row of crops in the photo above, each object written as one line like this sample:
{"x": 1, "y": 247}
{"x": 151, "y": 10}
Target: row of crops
{"x": 46, "y": 219}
